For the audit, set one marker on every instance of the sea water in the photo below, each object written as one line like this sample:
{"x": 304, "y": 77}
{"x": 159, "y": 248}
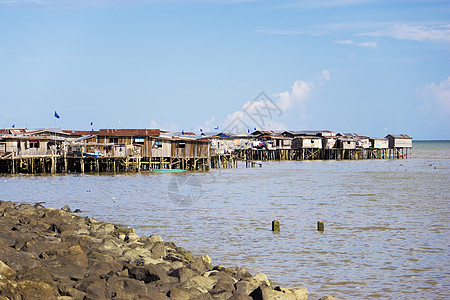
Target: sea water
{"x": 386, "y": 221}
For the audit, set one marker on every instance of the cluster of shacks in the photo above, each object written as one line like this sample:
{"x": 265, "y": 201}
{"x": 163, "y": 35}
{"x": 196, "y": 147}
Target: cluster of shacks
{"x": 122, "y": 149}
{"x": 307, "y": 139}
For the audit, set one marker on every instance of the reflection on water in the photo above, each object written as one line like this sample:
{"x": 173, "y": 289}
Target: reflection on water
{"x": 386, "y": 221}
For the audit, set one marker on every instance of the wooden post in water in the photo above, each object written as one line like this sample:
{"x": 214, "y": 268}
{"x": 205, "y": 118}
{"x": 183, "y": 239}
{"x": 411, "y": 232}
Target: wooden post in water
{"x": 320, "y": 226}
{"x": 275, "y": 225}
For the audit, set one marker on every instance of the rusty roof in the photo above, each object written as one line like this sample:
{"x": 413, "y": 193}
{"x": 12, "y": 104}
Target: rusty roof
{"x": 399, "y": 136}
{"x": 129, "y": 132}
{"x": 81, "y": 132}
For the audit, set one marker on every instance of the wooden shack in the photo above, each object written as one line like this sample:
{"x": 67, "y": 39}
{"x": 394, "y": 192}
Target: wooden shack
{"x": 361, "y": 141}
{"x": 379, "y": 143}
{"x": 346, "y": 143}
{"x": 329, "y": 142}
{"x": 399, "y": 141}
{"x": 128, "y": 142}
{"x": 19, "y": 145}
{"x": 307, "y": 142}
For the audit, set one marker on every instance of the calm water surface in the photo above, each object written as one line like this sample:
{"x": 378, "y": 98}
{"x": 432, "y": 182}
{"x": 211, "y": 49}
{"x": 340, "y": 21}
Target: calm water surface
{"x": 386, "y": 221}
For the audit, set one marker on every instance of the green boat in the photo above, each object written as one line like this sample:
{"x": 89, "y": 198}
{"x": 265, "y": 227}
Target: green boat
{"x": 167, "y": 170}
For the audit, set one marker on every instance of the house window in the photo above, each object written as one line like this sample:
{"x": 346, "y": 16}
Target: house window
{"x": 34, "y": 144}
{"x": 182, "y": 145}
{"x": 114, "y": 140}
{"x": 157, "y": 144}
{"x": 139, "y": 140}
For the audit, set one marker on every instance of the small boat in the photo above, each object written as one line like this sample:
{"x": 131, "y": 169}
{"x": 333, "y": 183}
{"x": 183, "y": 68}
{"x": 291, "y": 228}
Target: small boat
{"x": 167, "y": 170}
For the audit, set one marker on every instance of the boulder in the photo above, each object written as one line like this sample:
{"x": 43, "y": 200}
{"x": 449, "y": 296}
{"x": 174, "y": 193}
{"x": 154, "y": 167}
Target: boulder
{"x": 155, "y": 238}
{"x": 36, "y": 290}
{"x": 95, "y": 288}
{"x": 178, "y": 293}
{"x": 203, "y": 284}
{"x": 158, "y": 250}
{"x": 68, "y": 291}
{"x": 206, "y": 259}
{"x": 6, "y": 272}
{"x": 300, "y": 294}
{"x": 66, "y": 208}
{"x": 40, "y": 273}
{"x": 147, "y": 273}
{"x": 266, "y": 293}
{"x": 183, "y": 274}
{"x": 249, "y": 284}
{"x": 224, "y": 287}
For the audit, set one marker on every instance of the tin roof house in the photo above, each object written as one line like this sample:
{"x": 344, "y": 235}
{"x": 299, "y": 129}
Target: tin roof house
{"x": 379, "y": 143}
{"x": 399, "y": 141}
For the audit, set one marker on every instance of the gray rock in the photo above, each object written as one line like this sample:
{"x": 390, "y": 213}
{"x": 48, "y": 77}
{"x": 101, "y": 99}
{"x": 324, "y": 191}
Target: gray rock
{"x": 158, "y": 250}
{"x": 249, "y": 284}
{"x": 224, "y": 287}
{"x": 155, "y": 238}
{"x": 68, "y": 291}
{"x": 266, "y": 293}
{"x": 203, "y": 284}
{"x": 66, "y": 209}
{"x": 36, "y": 290}
{"x": 147, "y": 273}
{"x": 183, "y": 274}
{"x": 6, "y": 272}
{"x": 300, "y": 294}
{"x": 179, "y": 294}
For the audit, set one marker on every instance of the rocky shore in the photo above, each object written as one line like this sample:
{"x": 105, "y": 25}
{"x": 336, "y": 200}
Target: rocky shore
{"x": 48, "y": 253}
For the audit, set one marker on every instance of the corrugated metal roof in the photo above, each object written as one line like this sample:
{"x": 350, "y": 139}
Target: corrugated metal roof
{"x": 129, "y": 132}
{"x": 308, "y": 132}
{"x": 81, "y": 132}
{"x": 353, "y": 135}
{"x": 399, "y": 136}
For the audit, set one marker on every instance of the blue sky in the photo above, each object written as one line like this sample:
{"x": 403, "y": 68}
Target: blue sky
{"x": 345, "y": 65}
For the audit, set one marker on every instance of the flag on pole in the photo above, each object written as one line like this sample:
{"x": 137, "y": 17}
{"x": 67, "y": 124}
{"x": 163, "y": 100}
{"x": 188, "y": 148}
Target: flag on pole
{"x": 56, "y": 115}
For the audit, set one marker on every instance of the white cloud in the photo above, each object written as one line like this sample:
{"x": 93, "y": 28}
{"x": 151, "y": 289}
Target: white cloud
{"x": 260, "y": 113}
{"x": 438, "y": 33}
{"x": 344, "y": 42}
{"x": 368, "y": 44}
{"x": 323, "y": 76}
{"x": 437, "y": 97}
{"x": 296, "y": 96}
{"x": 361, "y": 44}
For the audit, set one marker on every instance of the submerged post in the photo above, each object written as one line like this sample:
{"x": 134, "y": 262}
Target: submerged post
{"x": 275, "y": 225}
{"x": 320, "y": 226}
